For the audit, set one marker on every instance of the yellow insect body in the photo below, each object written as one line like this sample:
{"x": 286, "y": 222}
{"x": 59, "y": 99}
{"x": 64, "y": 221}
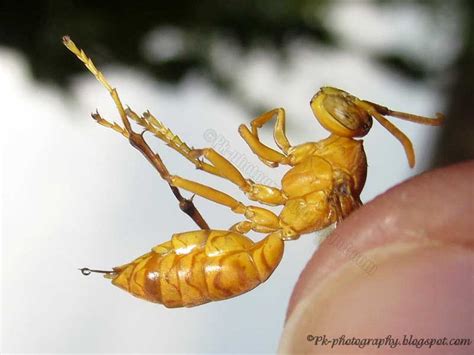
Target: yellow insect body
{"x": 321, "y": 187}
{"x": 201, "y": 266}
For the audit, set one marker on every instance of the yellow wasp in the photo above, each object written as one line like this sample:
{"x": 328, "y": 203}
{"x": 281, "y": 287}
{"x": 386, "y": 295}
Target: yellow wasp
{"x": 321, "y": 187}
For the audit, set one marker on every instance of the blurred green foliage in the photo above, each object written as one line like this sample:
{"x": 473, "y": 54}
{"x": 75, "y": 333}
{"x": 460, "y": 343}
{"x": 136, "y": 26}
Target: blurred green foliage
{"x": 115, "y": 31}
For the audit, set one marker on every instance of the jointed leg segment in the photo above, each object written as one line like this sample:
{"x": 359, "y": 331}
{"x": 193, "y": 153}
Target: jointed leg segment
{"x": 136, "y": 140}
{"x": 279, "y": 133}
{"x": 151, "y": 124}
{"x": 246, "y": 226}
{"x": 257, "y": 192}
{"x": 218, "y": 165}
{"x": 266, "y": 154}
{"x": 258, "y": 219}
{"x": 261, "y": 219}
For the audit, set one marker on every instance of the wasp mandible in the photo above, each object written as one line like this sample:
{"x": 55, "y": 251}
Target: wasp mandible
{"x": 321, "y": 187}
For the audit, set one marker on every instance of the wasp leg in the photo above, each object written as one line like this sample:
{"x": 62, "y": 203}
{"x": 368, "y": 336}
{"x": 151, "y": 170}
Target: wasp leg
{"x": 261, "y": 217}
{"x": 279, "y": 133}
{"x": 159, "y": 130}
{"x": 256, "y": 192}
{"x": 267, "y": 155}
{"x": 136, "y": 140}
{"x": 219, "y": 166}
{"x": 246, "y": 226}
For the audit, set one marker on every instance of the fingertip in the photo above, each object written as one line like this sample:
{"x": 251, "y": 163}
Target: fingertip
{"x": 435, "y": 208}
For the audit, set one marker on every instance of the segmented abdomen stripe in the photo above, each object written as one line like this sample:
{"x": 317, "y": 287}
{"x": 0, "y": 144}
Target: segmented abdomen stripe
{"x": 177, "y": 280}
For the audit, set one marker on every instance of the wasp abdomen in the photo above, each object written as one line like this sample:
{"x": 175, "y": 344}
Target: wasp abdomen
{"x": 200, "y": 266}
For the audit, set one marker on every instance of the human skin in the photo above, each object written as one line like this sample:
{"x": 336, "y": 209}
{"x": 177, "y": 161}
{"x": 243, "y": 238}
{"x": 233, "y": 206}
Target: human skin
{"x": 401, "y": 265}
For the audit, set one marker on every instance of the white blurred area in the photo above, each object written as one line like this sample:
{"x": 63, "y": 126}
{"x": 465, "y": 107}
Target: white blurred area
{"x": 76, "y": 194}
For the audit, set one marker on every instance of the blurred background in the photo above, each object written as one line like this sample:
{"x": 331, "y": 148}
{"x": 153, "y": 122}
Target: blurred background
{"x": 75, "y": 194}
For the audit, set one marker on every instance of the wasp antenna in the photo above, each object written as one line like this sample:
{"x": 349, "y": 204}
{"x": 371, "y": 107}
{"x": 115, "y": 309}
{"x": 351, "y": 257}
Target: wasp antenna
{"x": 86, "y": 271}
{"x": 430, "y": 121}
{"x": 402, "y": 138}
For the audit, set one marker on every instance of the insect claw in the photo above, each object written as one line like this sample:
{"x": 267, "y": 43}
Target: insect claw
{"x": 86, "y": 271}
{"x": 95, "y": 115}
